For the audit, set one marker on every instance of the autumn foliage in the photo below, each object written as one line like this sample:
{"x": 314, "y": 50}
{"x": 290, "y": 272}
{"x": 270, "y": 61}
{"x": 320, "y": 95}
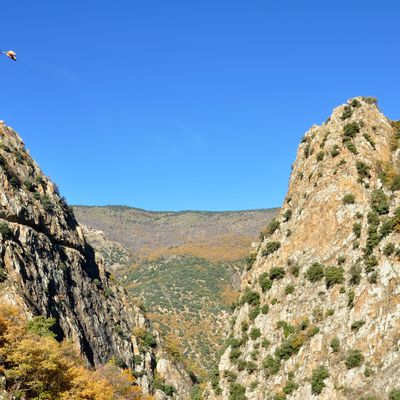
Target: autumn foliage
{"x": 38, "y": 367}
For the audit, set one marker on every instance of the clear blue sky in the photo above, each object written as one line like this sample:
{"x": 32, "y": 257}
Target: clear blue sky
{"x": 187, "y": 104}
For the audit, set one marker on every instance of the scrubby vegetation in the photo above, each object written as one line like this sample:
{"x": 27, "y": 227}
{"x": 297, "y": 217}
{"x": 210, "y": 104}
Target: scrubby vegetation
{"x": 362, "y": 170}
{"x": 187, "y": 297}
{"x": 333, "y": 276}
{"x": 354, "y": 359}
{"x": 290, "y": 346}
{"x": 348, "y": 198}
{"x": 273, "y": 226}
{"x": 370, "y": 100}
{"x": 255, "y": 333}
{"x": 394, "y": 394}
{"x": 357, "y": 229}
{"x": 237, "y": 392}
{"x": 290, "y": 387}
{"x": 335, "y": 150}
{"x": 264, "y": 281}
{"x": 373, "y": 238}
{"x": 289, "y": 289}
{"x": 271, "y": 365}
{"x": 379, "y": 202}
{"x": 369, "y": 139}
{"x": 317, "y": 379}
{"x": 356, "y": 325}
{"x": 335, "y": 344}
{"x": 276, "y": 273}
{"x": 315, "y": 272}
{"x": 287, "y": 215}
{"x": 38, "y": 367}
{"x": 347, "y": 112}
{"x": 270, "y": 248}
{"x": 349, "y": 132}
{"x": 5, "y": 231}
{"x": 355, "y": 275}
{"x": 251, "y": 297}
{"x": 320, "y": 156}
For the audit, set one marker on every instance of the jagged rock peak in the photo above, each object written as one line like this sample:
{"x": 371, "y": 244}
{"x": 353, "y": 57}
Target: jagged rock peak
{"x": 48, "y": 268}
{"x": 319, "y": 313}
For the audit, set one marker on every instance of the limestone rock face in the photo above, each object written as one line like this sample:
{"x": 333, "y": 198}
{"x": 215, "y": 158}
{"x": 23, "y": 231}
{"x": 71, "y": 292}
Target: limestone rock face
{"x": 330, "y": 331}
{"x": 48, "y": 268}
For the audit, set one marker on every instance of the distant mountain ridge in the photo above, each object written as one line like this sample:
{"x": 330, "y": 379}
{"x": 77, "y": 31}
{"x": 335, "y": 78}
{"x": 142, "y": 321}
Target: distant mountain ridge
{"x": 150, "y": 234}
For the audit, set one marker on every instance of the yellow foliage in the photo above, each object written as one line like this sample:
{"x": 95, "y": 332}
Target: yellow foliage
{"x": 38, "y": 367}
{"x": 229, "y": 296}
{"x": 87, "y": 385}
{"x": 138, "y": 331}
{"x": 387, "y": 172}
{"x": 215, "y": 248}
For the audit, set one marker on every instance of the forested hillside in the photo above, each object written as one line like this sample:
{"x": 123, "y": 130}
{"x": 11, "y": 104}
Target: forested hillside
{"x": 183, "y": 267}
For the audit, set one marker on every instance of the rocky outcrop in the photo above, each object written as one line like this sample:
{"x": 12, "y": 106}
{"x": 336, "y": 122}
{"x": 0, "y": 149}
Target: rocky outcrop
{"x": 319, "y": 315}
{"x": 114, "y": 254}
{"x": 48, "y": 268}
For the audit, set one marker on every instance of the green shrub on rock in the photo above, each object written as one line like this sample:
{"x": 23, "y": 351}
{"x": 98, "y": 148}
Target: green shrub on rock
{"x": 357, "y": 229}
{"x": 255, "y": 333}
{"x": 389, "y": 249}
{"x": 237, "y": 392}
{"x": 347, "y": 112}
{"x": 254, "y": 312}
{"x": 315, "y": 272}
{"x": 271, "y": 365}
{"x": 373, "y": 238}
{"x": 394, "y": 394}
{"x": 362, "y": 169}
{"x": 354, "y": 359}
{"x": 289, "y": 346}
{"x": 272, "y": 227}
{"x": 356, "y": 325}
{"x": 251, "y": 297}
{"x": 335, "y": 344}
{"x": 276, "y": 273}
{"x": 335, "y": 150}
{"x": 355, "y": 275}
{"x": 5, "y": 231}
{"x": 290, "y": 387}
{"x": 264, "y": 281}
{"x": 319, "y": 374}
{"x": 333, "y": 276}
{"x": 287, "y": 215}
{"x": 265, "y": 309}
{"x": 250, "y": 259}
{"x": 348, "y": 198}
{"x": 379, "y": 202}
{"x": 289, "y": 289}
{"x": 234, "y": 354}
{"x": 350, "y": 130}
{"x": 270, "y": 248}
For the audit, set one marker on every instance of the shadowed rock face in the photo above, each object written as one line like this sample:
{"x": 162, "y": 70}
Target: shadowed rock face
{"x": 50, "y": 270}
{"x": 49, "y": 264}
{"x": 347, "y": 318}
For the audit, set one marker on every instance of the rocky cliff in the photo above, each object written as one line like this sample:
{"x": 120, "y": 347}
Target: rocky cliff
{"x": 48, "y": 268}
{"x": 319, "y": 314}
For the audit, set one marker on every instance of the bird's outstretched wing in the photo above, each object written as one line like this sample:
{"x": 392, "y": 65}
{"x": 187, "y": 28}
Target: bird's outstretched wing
{"x": 10, "y": 54}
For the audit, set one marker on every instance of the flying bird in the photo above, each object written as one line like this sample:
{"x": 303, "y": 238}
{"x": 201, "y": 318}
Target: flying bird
{"x": 10, "y": 54}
